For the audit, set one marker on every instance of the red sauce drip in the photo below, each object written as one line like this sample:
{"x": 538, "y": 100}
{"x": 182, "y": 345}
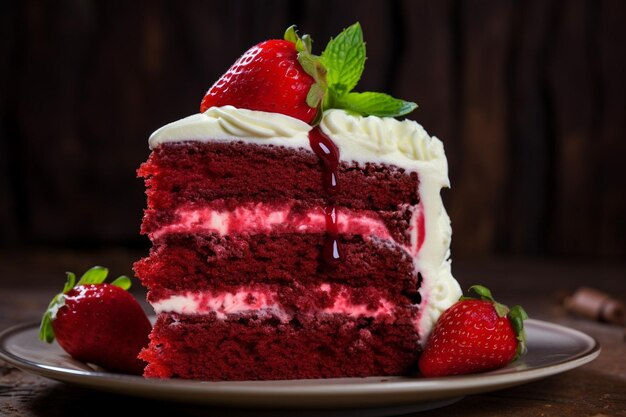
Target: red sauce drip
{"x": 328, "y": 153}
{"x": 332, "y": 250}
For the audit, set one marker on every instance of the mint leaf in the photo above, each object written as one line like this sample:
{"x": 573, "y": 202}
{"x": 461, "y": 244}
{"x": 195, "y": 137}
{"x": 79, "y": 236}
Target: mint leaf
{"x": 375, "y": 104}
{"x": 95, "y": 275}
{"x": 337, "y": 71}
{"x": 344, "y": 58}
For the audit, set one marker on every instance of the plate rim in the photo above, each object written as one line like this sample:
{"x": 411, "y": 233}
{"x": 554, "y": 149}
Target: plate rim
{"x": 407, "y": 390}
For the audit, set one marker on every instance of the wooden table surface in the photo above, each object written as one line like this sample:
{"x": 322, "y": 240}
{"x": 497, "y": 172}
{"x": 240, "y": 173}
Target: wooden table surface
{"x": 28, "y": 279}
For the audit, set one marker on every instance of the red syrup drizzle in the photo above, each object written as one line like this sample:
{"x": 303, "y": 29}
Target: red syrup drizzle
{"x": 328, "y": 153}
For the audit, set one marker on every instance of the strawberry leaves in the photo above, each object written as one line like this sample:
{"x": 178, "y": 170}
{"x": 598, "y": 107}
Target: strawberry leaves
{"x": 312, "y": 65}
{"x": 45, "y": 328}
{"x": 122, "y": 281}
{"x": 517, "y": 315}
{"x": 336, "y": 73}
{"x": 94, "y": 275}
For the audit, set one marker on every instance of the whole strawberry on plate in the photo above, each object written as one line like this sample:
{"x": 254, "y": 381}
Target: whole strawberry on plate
{"x": 98, "y": 323}
{"x": 474, "y": 335}
{"x": 284, "y": 76}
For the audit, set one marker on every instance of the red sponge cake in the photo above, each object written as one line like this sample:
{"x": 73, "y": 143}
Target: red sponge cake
{"x": 287, "y": 248}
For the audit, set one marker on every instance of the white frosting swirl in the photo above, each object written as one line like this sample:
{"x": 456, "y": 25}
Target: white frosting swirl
{"x": 228, "y": 123}
{"x": 384, "y": 139}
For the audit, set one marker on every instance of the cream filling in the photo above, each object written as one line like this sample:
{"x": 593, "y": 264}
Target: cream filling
{"x": 262, "y": 218}
{"x": 263, "y": 302}
{"x": 223, "y": 304}
{"x": 342, "y": 305}
{"x": 229, "y": 123}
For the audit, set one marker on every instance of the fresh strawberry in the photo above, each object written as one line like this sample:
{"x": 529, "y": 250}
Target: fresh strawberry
{"x": 283, "y": 76}
{"x": 268, "y": 77}
{"x": 474, "y": 335}
{"x": 97, "y": 322}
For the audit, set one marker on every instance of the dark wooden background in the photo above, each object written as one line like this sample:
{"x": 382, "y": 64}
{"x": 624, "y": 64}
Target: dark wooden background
{"x": 529, "y": 98}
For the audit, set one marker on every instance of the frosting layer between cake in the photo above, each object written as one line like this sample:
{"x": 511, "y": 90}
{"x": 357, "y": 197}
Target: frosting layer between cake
{"x": 259, "y": 300}
{"x": 263, "y": 217}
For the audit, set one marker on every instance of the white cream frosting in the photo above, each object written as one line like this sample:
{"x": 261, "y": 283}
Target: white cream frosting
{"x": 228, "y": 123}
{"x": 404, "y": 144}
{"x": 385, "y": 140}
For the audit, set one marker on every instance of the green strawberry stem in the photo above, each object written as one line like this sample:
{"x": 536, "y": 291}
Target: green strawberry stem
{"x": 95, "y": 275}
{"x": 516, "y": 315}
{"x": 122, "y": 281}
{"x": 337, "y": 71}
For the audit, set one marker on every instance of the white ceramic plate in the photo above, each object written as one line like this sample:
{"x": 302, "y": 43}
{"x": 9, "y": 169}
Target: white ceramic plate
{"x": 552, "y": 349}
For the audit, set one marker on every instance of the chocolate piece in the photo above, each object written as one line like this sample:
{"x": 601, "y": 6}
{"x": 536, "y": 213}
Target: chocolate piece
{"x": 594, "y": 304}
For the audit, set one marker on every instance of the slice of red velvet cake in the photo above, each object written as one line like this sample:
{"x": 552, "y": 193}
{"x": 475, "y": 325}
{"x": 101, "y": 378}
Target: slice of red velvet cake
{"x": 286, "y": 251}
{"x": 258, "y": 272}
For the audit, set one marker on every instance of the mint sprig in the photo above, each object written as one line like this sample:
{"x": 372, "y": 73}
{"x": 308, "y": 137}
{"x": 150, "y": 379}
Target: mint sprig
{"x": 377, "y": 104}
{"x": 336, "y": 73}
{"x": 95, "y": 275}
{"x": 344, "y": 57}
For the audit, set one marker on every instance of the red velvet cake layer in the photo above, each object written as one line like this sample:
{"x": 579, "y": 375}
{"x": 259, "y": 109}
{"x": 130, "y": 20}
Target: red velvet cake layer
{"x": 187, "y": 172}
{"x": 203, "y": 347}
{"x": 181, "y": 262}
